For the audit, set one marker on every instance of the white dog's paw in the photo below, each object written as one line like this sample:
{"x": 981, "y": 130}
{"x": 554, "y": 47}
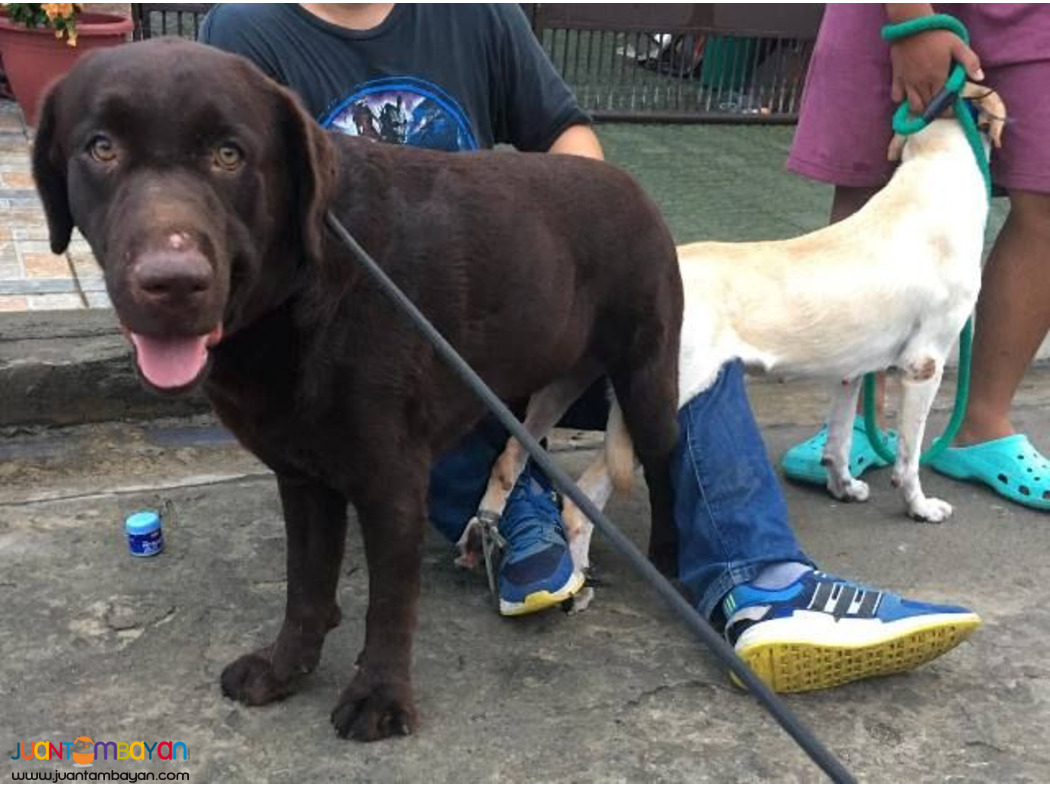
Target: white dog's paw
{"x": 849, "y": 490}
{"x": 930, "y": 510}
{"x": 468, "y": 548}
{"x": 580, "y": 601}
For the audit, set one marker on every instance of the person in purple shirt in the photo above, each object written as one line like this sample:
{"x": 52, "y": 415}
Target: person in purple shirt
{"x": 854, "y": 82}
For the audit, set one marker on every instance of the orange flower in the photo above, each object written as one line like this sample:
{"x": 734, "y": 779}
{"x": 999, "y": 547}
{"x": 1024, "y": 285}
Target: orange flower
{"x": 60, "y": 17}
{"x": 60, "y": 10}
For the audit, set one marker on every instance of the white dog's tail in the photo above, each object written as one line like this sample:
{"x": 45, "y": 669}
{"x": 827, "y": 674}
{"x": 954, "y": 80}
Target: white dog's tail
{"x": 619, "y": 451}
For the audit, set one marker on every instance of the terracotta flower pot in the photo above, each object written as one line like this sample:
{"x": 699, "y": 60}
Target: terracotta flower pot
{"x": 34, "y": 58}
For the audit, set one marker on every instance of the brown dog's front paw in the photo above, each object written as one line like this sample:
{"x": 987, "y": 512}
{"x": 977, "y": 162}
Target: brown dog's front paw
{"x": 251, "y": 680}
{"x": 368, "y": 711}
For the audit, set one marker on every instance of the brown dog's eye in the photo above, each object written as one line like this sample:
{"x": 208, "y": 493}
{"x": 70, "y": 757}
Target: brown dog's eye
{"x": 102, "y": 149}
{"x": 228, "y": 156}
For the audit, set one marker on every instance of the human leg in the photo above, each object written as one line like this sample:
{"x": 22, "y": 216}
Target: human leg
{"x": 459, "y": 477}
{"x": 1013, "y": 310}
{"x": 1013, "y": 317}
{"x": 730, "y": 514}
{"x": 739, "y": 560}
{"x": 536, "y": 571}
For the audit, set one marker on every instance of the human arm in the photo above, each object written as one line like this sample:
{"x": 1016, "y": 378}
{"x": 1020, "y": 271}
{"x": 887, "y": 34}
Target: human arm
{"x": 921, "y": 62}
{"x": 579, "y": 140}
{"x": 534, "y": 109}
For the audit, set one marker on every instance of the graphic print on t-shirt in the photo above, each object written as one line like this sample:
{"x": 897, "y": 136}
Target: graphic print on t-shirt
{"x": 404, "y": 111}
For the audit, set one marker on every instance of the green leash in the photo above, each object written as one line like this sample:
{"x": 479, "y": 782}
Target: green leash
{"x": 904, "y": 123}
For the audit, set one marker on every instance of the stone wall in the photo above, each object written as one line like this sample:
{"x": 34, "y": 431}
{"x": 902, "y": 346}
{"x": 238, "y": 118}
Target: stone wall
{"x": 121, "y": 9}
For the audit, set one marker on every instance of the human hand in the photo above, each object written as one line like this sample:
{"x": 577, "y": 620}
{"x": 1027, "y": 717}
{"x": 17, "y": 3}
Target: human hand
{"x": 921, "y": 64}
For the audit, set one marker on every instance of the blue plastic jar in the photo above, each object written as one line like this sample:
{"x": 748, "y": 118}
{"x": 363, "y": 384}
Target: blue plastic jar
{"x": 145, "y": 537}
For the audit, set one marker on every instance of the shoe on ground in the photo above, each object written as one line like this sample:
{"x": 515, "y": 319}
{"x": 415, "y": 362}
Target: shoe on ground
{"x": 822, "y": 631}
{"x": 536, "y": 571}
{"x": 1011, "y": 466}
{"x": 803, "y": 462}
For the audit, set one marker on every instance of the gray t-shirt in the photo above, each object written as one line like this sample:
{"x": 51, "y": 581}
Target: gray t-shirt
{"x": 445, "y": 76}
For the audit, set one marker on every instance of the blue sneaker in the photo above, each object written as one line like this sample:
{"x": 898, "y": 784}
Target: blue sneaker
{"x": 822, "y": 631}
{"x": 537, "y": 570}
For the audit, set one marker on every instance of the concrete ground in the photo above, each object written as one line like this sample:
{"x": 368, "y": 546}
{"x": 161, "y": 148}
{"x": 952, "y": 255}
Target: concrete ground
{"x": 96, "y": 643}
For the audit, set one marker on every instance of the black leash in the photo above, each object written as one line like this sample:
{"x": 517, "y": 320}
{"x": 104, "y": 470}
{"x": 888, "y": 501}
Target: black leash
{"x": 692, "y": 619}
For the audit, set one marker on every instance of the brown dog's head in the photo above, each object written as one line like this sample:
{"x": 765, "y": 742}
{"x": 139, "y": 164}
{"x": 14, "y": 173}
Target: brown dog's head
{"x": 991, "y": 117}
{"x": 189, "y": 173}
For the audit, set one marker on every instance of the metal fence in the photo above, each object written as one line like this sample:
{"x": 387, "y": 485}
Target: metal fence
{"x": 652, "y": 62}
{"x": 678, "y": 62}
{"x": 167, "y": 19}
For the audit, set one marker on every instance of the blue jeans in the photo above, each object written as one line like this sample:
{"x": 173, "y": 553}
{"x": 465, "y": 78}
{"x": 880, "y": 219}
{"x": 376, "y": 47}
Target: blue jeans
{"x": 730, "y": 514}
{"x": 460, "y": 476}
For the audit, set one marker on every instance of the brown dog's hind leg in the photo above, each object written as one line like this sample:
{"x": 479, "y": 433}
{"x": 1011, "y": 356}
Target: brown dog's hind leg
{"x": 315, "y": 524}
{"x": 648, "y": 397}
{"x": 378, "y": 703}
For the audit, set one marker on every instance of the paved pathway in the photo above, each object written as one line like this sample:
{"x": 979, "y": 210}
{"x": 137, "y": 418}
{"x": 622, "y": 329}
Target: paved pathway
{"x": 31, "y": 277}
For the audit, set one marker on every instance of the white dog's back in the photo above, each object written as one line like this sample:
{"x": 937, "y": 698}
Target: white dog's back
{"x": 848, "y": 298}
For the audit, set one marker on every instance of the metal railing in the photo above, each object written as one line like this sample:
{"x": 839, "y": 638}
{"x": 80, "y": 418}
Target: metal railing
{"x": 652, "y": 62}
{"x": 167, "y": 19}
{"x": 662, "y": 62}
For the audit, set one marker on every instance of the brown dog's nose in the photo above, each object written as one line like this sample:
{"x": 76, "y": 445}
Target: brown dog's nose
{"x": 171, "y": 277}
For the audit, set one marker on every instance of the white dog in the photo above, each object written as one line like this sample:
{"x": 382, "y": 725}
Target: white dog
{"x": 891, "y": 286}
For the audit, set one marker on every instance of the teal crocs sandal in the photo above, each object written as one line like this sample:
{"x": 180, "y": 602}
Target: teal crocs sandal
{"x": 1011, "y": 466}
{"x": 801, "y": 463}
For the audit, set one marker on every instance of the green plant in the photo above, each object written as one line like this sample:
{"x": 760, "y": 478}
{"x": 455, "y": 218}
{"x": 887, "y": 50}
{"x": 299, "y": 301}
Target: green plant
{"x": 61, "y": 17}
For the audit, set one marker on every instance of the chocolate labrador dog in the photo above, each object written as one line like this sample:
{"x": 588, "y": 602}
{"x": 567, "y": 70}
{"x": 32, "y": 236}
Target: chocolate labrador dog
{"x": 202, "y": 187}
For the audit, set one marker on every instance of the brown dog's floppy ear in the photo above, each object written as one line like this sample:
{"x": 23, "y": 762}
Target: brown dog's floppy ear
{"x": 312, "y": 166}
{"x": 991, "y": 111}
{"x": 49, "y": 172}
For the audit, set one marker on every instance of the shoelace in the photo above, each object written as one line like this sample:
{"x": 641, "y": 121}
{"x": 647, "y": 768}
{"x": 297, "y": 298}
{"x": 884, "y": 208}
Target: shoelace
{"x": 529, "y": 531}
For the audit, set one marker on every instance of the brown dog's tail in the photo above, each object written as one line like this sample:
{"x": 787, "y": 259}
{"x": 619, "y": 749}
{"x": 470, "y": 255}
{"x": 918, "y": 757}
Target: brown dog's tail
{"x": 619, "y": 451}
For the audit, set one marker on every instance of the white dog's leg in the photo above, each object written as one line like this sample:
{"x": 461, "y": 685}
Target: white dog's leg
{"x": 920, "y": 379}
{"x": 544, "y": 411}
{"x": 841, "y": 483}
{"x": 596, "y": 484}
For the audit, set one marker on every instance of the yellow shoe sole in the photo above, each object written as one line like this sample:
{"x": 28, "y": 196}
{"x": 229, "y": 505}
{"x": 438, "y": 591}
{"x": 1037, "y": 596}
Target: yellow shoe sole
{"x": 541, "y": 600}
{"x": 793, "y": 666}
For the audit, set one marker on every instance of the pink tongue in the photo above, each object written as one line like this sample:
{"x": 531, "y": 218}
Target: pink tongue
{"x": 171, "y": 362}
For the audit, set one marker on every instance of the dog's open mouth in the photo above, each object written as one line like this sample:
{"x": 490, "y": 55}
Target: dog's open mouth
{"x": 173, "y": 363}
